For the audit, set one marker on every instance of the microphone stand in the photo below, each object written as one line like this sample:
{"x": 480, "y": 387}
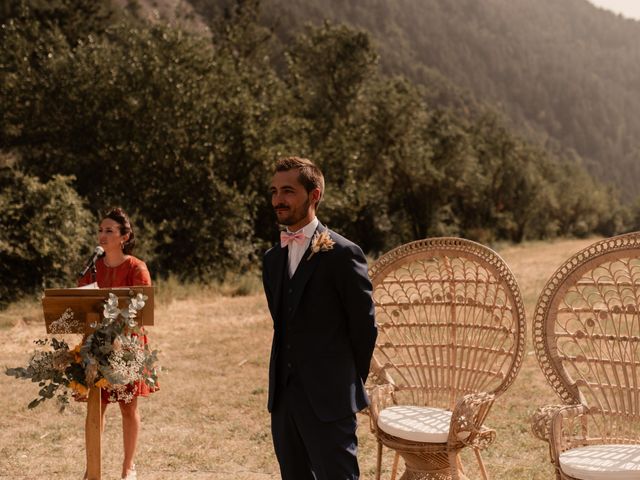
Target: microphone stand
{"x": 93, "y": 272}
{"x": 91, "y": 265}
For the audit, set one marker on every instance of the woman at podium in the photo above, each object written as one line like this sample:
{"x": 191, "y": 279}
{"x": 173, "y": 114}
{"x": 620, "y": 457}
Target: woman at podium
{"x": 118, "y": 268}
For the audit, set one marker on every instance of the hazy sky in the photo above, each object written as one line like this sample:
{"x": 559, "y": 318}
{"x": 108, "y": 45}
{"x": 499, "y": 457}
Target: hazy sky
{"x": 628, "y": 8}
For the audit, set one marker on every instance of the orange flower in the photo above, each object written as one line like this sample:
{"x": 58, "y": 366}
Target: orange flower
{"x": 103, "y": 383}
{"x": 78, "y": 387}
{"x": 76, "y": 354}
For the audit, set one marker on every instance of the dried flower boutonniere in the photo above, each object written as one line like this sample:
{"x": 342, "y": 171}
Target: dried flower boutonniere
{"x": 321, "y": 242}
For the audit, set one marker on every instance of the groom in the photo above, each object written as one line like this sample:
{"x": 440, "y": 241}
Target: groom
{"x": 319, "y": 295}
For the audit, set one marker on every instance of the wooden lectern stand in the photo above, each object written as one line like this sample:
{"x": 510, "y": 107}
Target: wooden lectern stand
{"x": 86, "y": 306}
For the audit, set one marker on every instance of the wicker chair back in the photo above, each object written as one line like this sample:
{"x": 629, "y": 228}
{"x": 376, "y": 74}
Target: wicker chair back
{"x": 450, "y": 320}
{"x": 586, "y": 333}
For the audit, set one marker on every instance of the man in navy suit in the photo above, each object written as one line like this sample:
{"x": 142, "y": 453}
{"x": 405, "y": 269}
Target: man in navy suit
{"x": 319, "y": 296}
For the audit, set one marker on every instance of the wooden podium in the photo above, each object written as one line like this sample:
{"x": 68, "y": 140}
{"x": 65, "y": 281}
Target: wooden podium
{"x": 73, "y": 310}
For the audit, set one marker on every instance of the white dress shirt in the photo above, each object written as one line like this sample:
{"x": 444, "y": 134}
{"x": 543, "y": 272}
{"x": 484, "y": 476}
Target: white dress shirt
{"x": 297, "y": 251}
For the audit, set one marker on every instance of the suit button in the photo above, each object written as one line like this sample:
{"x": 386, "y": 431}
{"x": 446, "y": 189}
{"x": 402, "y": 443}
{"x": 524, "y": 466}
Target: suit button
{"x": 289, "y": 364}
{"x": 290, "y": 309}
{"x": 288, "y": 346}
{"x": 291, "y": 290}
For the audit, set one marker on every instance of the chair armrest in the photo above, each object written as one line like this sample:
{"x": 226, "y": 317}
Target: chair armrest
{"x": 564, "y": 432}
{"x": 541, "y": 421}
{"x": 381, "y": 397}
{"x": 467, "y": 421}
{"x": 378, "y": 373}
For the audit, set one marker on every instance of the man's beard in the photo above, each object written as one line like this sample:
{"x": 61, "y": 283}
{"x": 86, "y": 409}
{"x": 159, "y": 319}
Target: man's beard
{"x": 291, "y": 220}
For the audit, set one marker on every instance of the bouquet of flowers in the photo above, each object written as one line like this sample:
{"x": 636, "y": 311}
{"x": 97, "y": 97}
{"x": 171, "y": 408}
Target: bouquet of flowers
{"x": 111, "y": 357}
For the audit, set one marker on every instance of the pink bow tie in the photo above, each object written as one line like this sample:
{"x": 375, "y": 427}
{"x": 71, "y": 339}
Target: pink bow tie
{"x": 287, "y": 237}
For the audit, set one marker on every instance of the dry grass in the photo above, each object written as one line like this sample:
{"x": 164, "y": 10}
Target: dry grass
{"x": 209, "y": 420}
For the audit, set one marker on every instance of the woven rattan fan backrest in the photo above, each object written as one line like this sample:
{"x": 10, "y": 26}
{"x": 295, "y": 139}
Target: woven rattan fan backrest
{"x": 587, "y": 328}
{"x": 450, "y": 321}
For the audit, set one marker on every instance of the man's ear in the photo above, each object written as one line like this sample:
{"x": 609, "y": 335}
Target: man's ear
{"x": 315, "y": 196}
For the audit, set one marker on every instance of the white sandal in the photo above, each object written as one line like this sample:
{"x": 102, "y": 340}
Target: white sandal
{"x": 131, "y": 474}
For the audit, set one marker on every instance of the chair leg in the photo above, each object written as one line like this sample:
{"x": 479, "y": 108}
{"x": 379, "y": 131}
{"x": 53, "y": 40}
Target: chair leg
{"x": 379, "y": 461}
{"x": 454, "y": 464}
{"x": 459, "y": 463}
{"x": 483, "y": 470}
{"x": 394, "y": 469}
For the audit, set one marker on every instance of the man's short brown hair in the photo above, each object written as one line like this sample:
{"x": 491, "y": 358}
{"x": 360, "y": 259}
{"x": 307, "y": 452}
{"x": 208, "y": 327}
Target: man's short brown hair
{"x": 310, "y": 175}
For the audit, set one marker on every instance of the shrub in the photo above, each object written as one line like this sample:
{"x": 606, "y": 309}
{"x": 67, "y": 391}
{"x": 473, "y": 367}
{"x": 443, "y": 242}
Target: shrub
{"x": 46, "y": 233}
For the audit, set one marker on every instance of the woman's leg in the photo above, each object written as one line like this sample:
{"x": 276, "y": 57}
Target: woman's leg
{"x": 130, "y": 430}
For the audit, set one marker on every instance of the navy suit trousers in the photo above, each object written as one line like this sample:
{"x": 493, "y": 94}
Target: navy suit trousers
{"x": 306, "y": 448}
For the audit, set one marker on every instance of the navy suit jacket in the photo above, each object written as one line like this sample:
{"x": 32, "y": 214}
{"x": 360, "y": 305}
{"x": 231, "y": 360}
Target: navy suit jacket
{"x": 332, "y": 328}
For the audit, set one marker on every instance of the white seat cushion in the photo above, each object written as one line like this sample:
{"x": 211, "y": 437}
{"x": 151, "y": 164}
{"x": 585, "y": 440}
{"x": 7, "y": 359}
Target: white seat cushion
{"x": 602, "y": 462}
{"x": 417, "y": 424}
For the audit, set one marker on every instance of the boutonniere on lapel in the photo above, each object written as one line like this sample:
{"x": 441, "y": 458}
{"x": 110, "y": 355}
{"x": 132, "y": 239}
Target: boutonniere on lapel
{"x": 321, "y": 242}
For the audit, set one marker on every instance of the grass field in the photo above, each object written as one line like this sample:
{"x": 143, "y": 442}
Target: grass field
{"x": 209, "y": 420}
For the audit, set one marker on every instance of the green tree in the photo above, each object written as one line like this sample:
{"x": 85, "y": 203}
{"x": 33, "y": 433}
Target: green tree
{"x": 45, "y": 234}
{"x": 161, "y": 122}
{"x": 75, "y": 19}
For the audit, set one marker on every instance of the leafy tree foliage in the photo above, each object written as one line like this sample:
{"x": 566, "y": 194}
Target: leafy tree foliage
{"x": 75, "y": 19}
{"x": 43, "y": 224}
{"x": 146, "y": 118}
{"x": 565, "y": 72}
{"x": 399, "y": 169}
{"x": 182, "y": 131}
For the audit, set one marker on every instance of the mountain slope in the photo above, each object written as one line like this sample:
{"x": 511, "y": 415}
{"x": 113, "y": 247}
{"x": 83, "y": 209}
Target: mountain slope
{"x": 566, "y": 72}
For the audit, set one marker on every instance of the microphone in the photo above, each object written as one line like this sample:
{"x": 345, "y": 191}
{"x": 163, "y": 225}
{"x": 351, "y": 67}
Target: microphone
{"x": 98, "y": 252}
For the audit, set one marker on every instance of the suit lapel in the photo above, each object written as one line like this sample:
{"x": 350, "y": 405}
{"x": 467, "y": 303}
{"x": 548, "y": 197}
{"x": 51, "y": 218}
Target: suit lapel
{"x": 304, "y": 271}
{"x": 278, "y": 269}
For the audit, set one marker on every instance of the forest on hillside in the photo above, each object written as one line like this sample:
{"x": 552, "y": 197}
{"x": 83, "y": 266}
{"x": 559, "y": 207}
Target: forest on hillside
{"x": 101, "y": 107}
{"x": 566, "y": 73}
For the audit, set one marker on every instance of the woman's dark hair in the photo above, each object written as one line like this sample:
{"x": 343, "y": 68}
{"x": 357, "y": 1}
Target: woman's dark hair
{"x": 118, "y": 215}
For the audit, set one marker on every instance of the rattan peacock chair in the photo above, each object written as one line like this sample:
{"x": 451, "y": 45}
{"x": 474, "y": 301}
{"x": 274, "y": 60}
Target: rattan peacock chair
{"x": 451, "y": 336}
{"x": 586, "y": 333}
